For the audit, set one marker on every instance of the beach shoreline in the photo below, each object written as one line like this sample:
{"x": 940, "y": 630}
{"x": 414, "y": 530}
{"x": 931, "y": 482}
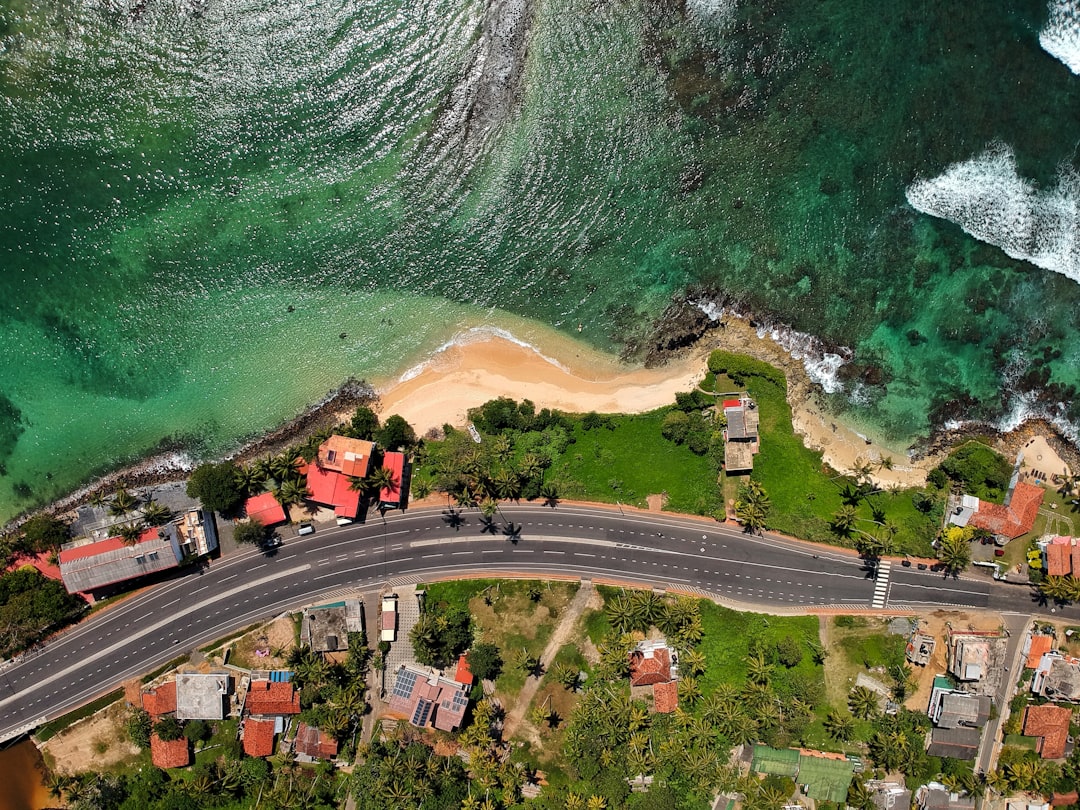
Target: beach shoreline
{"x": 554, "y": 370}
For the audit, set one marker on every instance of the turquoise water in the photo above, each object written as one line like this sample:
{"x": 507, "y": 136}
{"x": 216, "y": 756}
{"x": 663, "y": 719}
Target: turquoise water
{"x": 173, "y": 178}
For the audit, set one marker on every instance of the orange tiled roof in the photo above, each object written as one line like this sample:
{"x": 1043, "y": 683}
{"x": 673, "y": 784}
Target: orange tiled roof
{"x": 1058, "y": 561}
{"x": 258, "y": 737}
{"x": 1064, "y": 799}
{"x": 1052, "y": 724}
{"x": 655, "y": 669}
{"x": 344, "y": 455}
{"x": 665, "y": 697}
{"x": 1039, "y": 645}
{"x": 161, "y": 700}
{"x": 1015, "y": 519}
{"x": 173, "y": 754}
{"x": 272, "y": 697}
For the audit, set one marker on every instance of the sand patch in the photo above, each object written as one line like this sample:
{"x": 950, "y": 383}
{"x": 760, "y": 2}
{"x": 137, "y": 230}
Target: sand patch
{"x": 98, "y": 743}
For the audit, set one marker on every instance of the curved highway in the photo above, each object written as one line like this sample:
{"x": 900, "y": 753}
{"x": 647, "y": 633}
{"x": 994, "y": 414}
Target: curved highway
{"x": 683, "y": 554}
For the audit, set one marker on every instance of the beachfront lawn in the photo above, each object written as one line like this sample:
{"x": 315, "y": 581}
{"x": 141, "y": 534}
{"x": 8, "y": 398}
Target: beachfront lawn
{"x": 630, "y": 460}
{"x": 805, "y": 492}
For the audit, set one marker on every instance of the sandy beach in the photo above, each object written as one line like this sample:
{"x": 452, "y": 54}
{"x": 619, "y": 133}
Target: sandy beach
{"x": 564, "y": 374}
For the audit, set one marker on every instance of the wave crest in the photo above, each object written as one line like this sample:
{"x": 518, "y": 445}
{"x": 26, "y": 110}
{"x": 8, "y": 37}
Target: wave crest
{"x": 1060, "y": 37}
{"x": 988, "y": 199}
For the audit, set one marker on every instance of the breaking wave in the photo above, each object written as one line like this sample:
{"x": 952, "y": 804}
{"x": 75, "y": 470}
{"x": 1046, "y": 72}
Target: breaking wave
{"x": 988, "y": 199}
{"x": 821, "y": 366}
{"x": 1060, "y": 37}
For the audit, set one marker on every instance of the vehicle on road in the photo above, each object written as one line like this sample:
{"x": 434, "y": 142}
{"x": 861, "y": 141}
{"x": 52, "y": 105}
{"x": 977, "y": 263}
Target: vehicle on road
{"x": 388, "y": 621}
{"x": 305, "y": 528}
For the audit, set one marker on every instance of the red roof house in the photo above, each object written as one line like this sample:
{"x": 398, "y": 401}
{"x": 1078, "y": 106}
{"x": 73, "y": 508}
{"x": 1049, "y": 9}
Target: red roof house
{"x": 1058, "y": 560}
{"x": 172, "y": 754}
{"x": 1064, "y": 799}
{"x": 333, "y": 489}
{"x": 665, "y": 697}
{"x": 272, "y": 698}
{"x": 392, "y": 495}
{"x": 161, "y": 700}
{"x": 258, "y": 737}
{"x": 650, "y": 663}
{"x": 311, "y": 741}
{"x": 463, "y": 674}
{"x": 265, "y": 509}
{"x": 1015, "y": 519}
{"x": 1050, "y": 724}
{"x": 1039, "y": 645}
{"x": 344, "y": 455}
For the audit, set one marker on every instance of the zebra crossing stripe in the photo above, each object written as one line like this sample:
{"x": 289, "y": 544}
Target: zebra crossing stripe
{"x": 881, "y": 585}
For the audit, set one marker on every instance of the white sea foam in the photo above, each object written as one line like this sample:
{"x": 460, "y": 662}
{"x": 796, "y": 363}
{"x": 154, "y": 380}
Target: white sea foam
{"x": 476, "y": 334}
{"x": 821, "y": 365}
{"x": 988, "y": 199}
{"x": 1060, "y": 37}
{"x": 714, "y": 12}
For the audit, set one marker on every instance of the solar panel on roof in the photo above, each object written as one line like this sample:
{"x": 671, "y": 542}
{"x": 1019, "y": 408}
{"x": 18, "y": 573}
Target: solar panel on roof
{"x": 460, "y": 700}
{"x": 423, "y": 711}
{"x": 403, "y": 686}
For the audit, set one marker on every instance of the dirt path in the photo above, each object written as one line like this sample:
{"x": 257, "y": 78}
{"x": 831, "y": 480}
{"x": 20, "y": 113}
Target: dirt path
{"x": 558, "y": 638}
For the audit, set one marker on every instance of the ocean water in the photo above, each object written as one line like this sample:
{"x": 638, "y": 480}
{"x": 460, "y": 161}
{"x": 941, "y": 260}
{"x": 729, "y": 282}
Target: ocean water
{"x": 895, "y": 179}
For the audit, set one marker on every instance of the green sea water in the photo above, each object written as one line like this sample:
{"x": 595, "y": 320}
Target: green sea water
{"x": 175, "y": 177}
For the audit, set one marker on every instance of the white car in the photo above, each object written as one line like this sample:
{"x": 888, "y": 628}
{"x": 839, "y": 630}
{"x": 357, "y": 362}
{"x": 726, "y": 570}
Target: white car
{"x": 305, "y": 528}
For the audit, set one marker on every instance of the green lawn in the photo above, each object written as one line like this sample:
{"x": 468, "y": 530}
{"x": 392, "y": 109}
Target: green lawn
{"x": 632, "y": 460}
{"x": 805, "y": 492}
{"x": 54, "y": 727}
{"x": 727, "y": 639}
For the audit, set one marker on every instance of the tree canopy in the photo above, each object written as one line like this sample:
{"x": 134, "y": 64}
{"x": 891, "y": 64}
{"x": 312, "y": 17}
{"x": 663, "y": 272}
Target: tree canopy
{"x": 43, "y": 533}
{"x": 31, "y": 605}
{"x": 217, "y": 486}
{"x": 441, "y": 635}
{"x": 396, "y": 434}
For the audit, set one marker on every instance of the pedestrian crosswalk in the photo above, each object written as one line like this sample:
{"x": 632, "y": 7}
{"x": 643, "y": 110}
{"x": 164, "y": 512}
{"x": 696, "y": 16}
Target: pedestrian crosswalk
{"x": 881, "y": 584}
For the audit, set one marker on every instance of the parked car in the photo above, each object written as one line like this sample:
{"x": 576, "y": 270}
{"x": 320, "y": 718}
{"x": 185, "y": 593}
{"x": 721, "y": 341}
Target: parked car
{"x": 906, "y": 563}
{"x": 306, "y": 528}
{"x": 999, "y": 552}
{"x": 922, "y": 566}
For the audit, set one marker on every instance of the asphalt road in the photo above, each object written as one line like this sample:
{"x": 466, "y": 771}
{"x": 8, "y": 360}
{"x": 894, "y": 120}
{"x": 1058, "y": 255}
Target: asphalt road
{"x": 703, "y": 557}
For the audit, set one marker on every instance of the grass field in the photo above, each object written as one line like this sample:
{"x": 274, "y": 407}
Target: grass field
{"x": 512, "y": 621}
{"x": 858, "y": 644}
{"x": 631, "y": 460}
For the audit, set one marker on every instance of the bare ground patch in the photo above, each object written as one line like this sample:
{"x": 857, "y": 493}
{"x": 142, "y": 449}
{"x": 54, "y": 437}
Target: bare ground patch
{"x": 98, "y": 743}
{"x": 266, "y": 647}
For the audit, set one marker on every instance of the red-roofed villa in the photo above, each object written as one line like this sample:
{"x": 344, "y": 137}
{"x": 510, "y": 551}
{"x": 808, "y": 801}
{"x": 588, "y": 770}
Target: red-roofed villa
{"x": 394, "y": 496}
{"x": 429, "y": 699}
{"x": 334, "y": 489}
{"x": 312, "y": 742}
{"x": 161, "y": 700}
{"x": 650, "y": 663}
{"x": 272, "y": 698}
{"x": 1050, "y": 724}
{"x": 89, "y": 567}
{"x": 1015, "y": 517}
{"x": 350, "y": 457}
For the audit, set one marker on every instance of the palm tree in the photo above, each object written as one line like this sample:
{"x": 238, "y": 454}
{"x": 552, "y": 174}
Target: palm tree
{"x": 621, "y": 612}
{"x": 863, "y": 702}
{"x": 1056, "y": 588}
{"x": 839, "y": 726}
{"x": 284, "y": 466}
{"x": 550, "y": 493}
{"x": 250, "y": 479}
{"x": 291, "y": 492}
{"x": 501, "y": 447}
{"x": 97, "y": 499}
{"x": 506, "y": 484}
{"x": 693, "y": 661}
{"x": 380, "y": 479}
{"x": 689, "y": 690}
{"x": 155, "y": 514}
{"x": 262, "y": 469}
{"x": 752, "y": 507}
{"x": 531, "y": 465}
{"x": 844, "y": 520}
{"x": 574, "y": 802}
{"x": 758, "y": 670}
{"x": 595, "y": 802}
{"x": 859, "y": 796}
{"x": 122, "y": 502}
{"x": 954, "y": 552}
{"x": 130, "y": 533}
